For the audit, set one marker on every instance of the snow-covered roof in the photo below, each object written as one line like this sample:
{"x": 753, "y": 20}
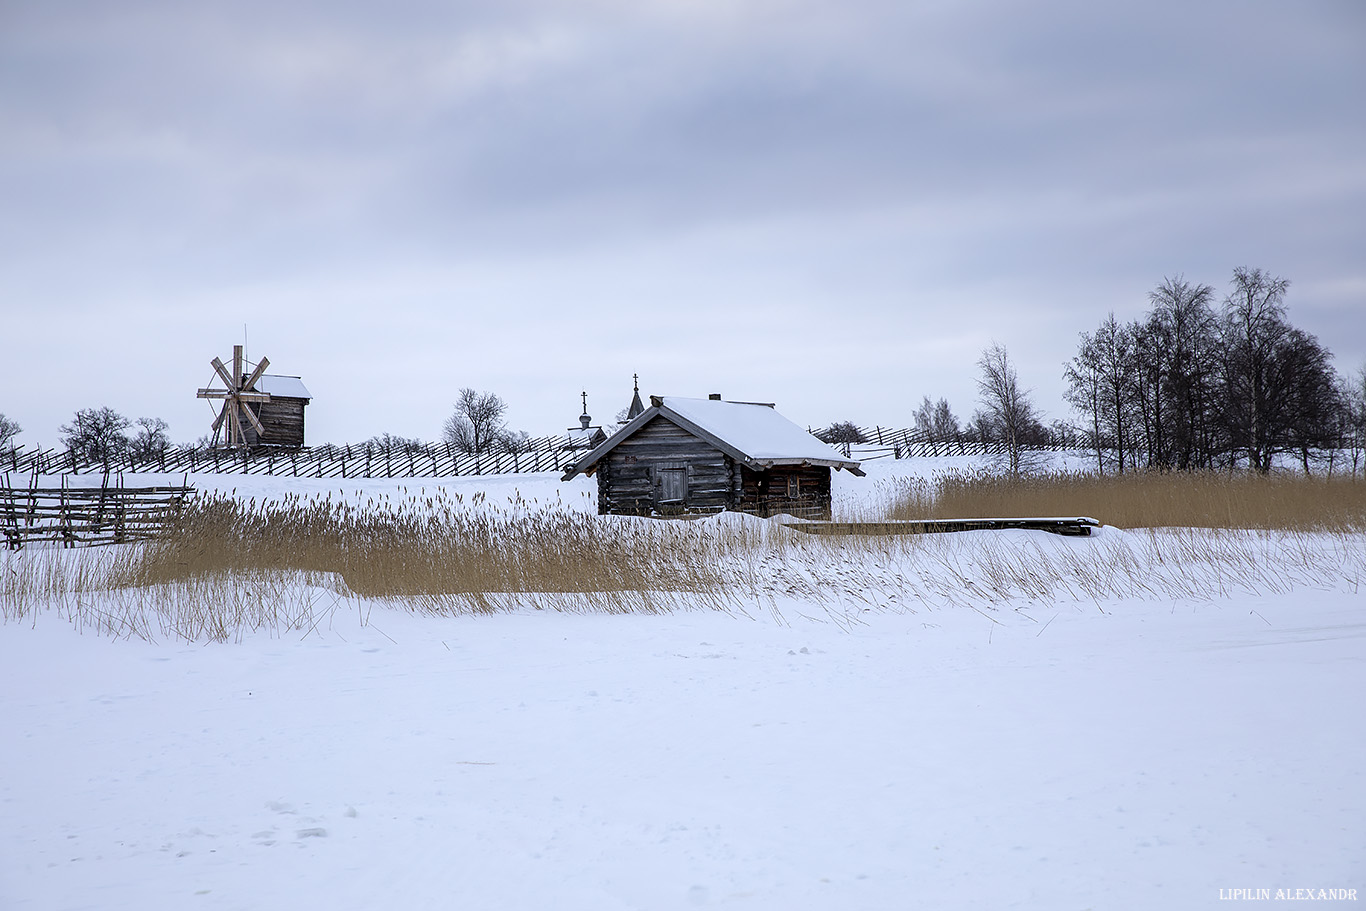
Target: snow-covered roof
{"x": 288, "y": 387}
{"x": 755, "y": 434}
{"x": 757, "y": 430}
{"x": 584, "y": 438}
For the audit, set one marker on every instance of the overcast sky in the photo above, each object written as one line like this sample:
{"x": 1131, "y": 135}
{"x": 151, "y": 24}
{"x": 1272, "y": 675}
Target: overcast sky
{"x": 834, "y": 206}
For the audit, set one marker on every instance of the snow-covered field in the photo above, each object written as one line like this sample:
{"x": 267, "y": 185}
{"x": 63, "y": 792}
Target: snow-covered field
{"x": 1133, "y": 753}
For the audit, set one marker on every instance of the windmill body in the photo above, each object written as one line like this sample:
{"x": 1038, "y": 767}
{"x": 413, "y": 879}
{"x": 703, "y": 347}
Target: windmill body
{"x": 258, "y": 409}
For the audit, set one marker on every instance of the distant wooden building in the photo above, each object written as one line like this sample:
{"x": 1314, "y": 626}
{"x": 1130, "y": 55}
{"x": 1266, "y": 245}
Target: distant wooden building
{"x": 586, "y": 435}
{"x": 258, "y": 409}
{"x": 687, "y": 456}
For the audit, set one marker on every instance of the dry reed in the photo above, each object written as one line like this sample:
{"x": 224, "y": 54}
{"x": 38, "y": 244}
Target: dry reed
{"x": 1144, "y": 499}
{"x": 232, "y": 568}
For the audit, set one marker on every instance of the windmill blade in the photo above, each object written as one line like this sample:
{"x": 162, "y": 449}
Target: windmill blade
{"x": 236, "y": 366}
{"x": 251, "y": 416}
{"x": 256, "y": 374}
{"x": 238, "y": 438}
{"x": 222, "y": 416}
{"x": 223, "y": 374}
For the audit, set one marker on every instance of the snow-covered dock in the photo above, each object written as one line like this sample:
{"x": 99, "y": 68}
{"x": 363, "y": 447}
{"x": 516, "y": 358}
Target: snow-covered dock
{"x": 1072, "y": 526}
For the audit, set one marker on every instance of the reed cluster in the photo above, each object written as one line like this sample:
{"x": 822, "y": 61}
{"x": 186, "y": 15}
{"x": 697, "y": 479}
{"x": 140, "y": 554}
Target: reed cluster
{"x": 430, "y": 546}
{"x": 1149, "y": 499}
{"x": 231, "y": 568}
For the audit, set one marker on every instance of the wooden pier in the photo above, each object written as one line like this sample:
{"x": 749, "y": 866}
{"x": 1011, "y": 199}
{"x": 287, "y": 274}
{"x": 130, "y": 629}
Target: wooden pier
{"x": 1071, "y": 526}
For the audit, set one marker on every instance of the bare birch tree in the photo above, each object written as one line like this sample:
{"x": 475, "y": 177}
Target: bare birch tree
{"x": 1007, "y": 412}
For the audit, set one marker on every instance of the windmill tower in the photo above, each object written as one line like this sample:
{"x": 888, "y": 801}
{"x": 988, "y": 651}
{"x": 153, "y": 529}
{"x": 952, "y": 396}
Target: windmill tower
{"x": 239, "y": 392}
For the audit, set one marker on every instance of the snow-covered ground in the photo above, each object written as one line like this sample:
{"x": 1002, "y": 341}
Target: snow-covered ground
{"x": 1116, "y": 754}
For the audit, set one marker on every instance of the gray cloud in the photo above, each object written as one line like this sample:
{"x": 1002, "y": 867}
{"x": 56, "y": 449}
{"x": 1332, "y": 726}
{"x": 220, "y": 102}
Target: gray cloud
{"x": 884, "y": 186}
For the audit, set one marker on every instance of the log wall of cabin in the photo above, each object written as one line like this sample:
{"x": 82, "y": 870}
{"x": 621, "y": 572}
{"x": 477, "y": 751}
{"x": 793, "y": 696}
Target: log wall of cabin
{"x": 283, "y": 419}
{"x": 766, "y": 492}
{"x": 629, "y": 475}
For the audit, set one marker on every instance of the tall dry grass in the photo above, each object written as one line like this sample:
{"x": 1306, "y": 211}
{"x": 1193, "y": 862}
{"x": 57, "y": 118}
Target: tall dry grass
{"x": 1144, "y": 499}
{"x": 432, "y": 545}
{"x": 234, "y": 568}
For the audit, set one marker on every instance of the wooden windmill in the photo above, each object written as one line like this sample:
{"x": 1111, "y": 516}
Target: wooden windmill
{"x": 239, "y": 393}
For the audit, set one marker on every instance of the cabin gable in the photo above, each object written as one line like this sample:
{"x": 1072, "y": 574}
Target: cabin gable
{"x": 662, "y": 468}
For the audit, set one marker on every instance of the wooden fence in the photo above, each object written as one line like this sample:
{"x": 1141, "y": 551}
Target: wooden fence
{"x": 434, "y": 459}
{"x": 85, "y": 516}
{"x": 359, "y": 461}
{"x": 889, "y": 443}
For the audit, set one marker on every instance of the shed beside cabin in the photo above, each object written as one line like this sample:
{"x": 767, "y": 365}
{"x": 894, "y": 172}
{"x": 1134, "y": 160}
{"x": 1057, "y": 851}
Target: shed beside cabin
{"x": 685, "y": 456}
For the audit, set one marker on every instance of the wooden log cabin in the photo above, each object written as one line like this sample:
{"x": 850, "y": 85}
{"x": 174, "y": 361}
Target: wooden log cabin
{"x": 685, "y": 456}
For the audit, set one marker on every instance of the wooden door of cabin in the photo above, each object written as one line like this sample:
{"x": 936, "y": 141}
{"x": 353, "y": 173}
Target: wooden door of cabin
{"x": 673, "y": 485}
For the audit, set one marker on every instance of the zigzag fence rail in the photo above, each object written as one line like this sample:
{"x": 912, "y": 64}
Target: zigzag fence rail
{"x": 433, "y": 460}
{"x": 85, "y": 516}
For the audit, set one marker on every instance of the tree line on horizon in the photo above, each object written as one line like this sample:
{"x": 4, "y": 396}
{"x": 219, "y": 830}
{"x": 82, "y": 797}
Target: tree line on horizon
{"x": 1191, "y": 385}
{"x": 1195, "y": 386}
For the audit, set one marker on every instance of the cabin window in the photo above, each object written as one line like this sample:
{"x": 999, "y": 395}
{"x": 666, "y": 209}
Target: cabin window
{"x": 673, "y": 485}
{"x": 794, "y": 487}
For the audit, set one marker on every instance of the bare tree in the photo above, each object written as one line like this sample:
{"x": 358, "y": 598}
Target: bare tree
{"x": 1182, "y": 333}
{"x": 388, "y": 442}
{"x": 8, "y": 431}
{"x": 96, "y": 434}
{"x": 841, "y": 432}
{"x": 1085, "y": 392}
{"x": 1352, "y": 391}
{"x": 1101, "y": 385}
{"x": 1254, "y": 326}
{"x": 511, "y": 441}
{"x": 151, "y": 439}
{"x": 945, "y": 422}
{"x": 936, "y": 420}
{"x": 1007, "y": 413}
{"x": 924, "y": 418}
{"x": 477, "y": 423}
{"x": 1308, "y": 387}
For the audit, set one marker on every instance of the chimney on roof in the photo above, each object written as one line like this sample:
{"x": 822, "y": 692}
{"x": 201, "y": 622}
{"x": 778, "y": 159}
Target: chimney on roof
{"x": 715, "y": 397}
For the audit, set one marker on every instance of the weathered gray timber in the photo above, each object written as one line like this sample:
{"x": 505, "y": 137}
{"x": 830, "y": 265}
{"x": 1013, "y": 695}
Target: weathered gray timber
{"x": 693, "y": 456}
{"x": 283, "y": 421}
{"x": 86, "y": 516}
{"x": 663, "y": 468}
{"x": 281, "y": 415}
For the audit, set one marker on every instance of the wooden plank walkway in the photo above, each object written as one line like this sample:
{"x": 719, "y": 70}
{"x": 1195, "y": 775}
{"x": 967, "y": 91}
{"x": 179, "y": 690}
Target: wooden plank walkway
{"x": 1071, "y": 526}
